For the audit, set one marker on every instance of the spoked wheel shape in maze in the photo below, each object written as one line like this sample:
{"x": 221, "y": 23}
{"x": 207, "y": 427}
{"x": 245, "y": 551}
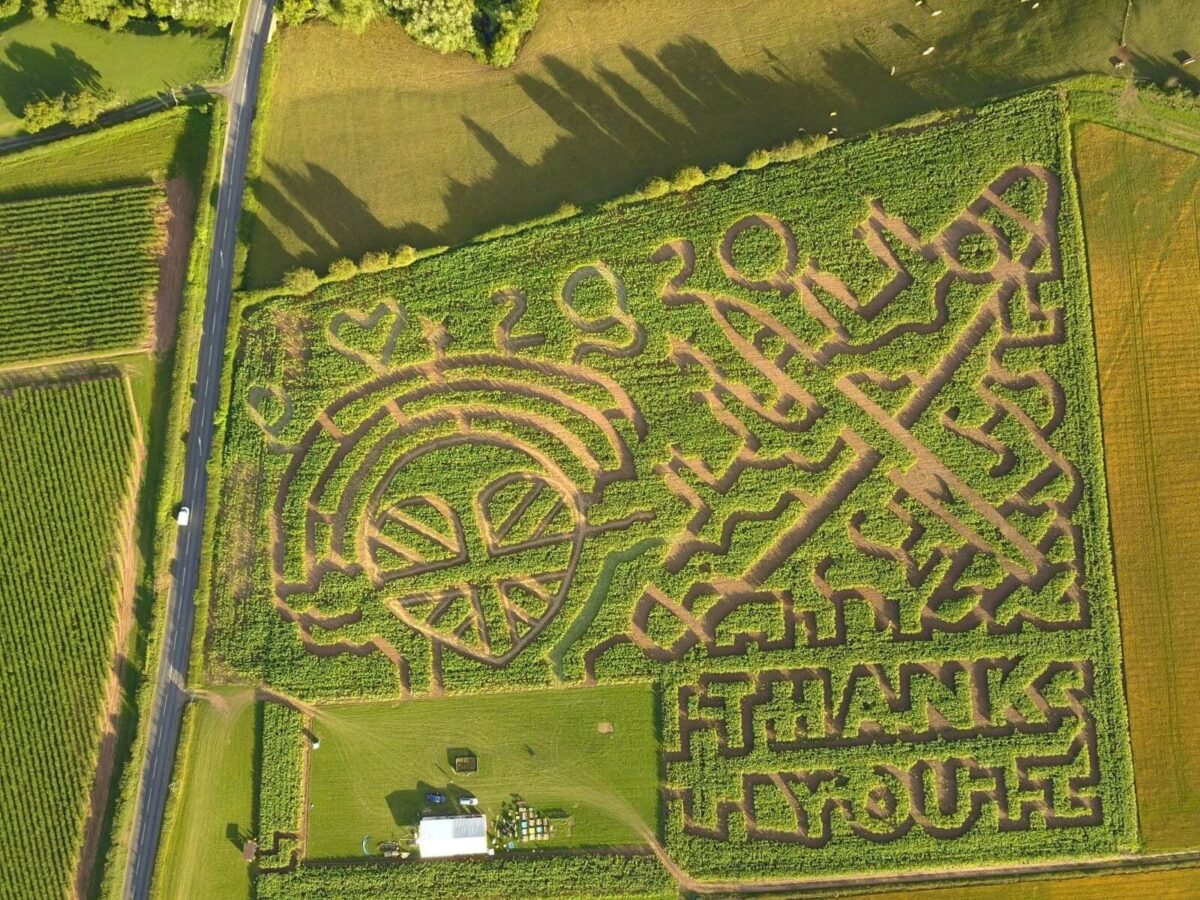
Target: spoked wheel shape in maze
{"x": 459, "y": 487}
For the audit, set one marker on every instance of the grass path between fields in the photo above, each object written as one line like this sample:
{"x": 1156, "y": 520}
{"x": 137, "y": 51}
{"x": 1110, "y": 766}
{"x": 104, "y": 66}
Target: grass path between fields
{"x": 1141, "y": 206}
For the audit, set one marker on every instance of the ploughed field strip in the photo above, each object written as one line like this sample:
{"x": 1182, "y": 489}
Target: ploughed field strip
{"x": 816, "y": 447}
{"x": 67, "y": 454}
{"x": 78, "y": 272}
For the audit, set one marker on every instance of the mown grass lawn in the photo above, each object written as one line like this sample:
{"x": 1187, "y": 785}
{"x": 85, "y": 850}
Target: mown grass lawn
{"x": 377, "y": 761}
{"x": 51, "y": 56}
{"x": 371, "y": 141}
{"x": 201, "y": 854}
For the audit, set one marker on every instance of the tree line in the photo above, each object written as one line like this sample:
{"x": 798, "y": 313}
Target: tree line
{"x": 489, "y": 30}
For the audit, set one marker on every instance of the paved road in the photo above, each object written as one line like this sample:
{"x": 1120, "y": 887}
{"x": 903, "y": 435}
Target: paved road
{"x": 170, "y": 694}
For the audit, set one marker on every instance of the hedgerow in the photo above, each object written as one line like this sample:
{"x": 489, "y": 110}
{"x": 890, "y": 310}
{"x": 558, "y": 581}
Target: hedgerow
{"x": 816, "y": 446}
{"x": 117, "y": 14}
{"x": 66, "y": 457}
{"x": 280, "y": 767}
{"x": 565, "y": 877}
{"x": 78, "y": 271}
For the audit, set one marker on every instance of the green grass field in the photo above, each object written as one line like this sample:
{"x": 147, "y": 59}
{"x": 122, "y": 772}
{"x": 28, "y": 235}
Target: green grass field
{"x": 201, "y": 855}
{"x": 378, "y": 760}
{"x": 1141, "y": 204}
{"x": 371, "y": 141}
{"x": 52, "y": 56}
{"x": 151, "y": 149}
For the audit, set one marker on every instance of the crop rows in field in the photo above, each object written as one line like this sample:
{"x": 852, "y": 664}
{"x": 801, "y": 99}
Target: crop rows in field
{"x": 816, "y": 448}
{"x": 66, "y": 453}
{"x": 279, "y": 766}
{"x": 78, "y": 272}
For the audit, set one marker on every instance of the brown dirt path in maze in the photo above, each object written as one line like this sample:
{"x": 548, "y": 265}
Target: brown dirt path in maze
{"x": 127, "y": 566}
{"x": 354, "y": 545}
{"x": 1014, "y": 277}
{"x": 172, "y": 263}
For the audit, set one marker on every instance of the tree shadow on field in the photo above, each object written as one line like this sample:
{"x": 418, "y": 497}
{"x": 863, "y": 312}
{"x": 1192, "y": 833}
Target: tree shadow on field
{"x": 621, "y": 123}
{"x": 325, "y": 215}
{"x": 683, "y": 106}
{"x": 29, "y": 72}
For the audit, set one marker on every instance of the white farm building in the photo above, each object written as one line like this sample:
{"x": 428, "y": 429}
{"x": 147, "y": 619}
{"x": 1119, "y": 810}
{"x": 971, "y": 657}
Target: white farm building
{"x": 439, "y": 836}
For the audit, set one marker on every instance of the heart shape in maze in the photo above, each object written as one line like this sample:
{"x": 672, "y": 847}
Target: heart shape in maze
{"x": 269, "y": 408}
{"x": 368, "y": 337}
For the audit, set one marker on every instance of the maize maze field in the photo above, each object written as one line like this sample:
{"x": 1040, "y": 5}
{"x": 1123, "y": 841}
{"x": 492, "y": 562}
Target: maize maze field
{"x": 63, "y": 575}
{"x": 78, "y": 271}
{"x": 817, "y": 448}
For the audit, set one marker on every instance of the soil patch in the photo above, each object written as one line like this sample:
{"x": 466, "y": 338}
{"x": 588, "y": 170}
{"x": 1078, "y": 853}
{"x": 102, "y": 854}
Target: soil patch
{"x": 173, "y": 263}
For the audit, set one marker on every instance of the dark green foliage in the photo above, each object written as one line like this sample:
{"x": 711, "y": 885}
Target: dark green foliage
{"x": 489, "y": 30}
{"x": 116, "y": 13}
{"x": 280, "y": 769}
{"x": 76, "y": 109}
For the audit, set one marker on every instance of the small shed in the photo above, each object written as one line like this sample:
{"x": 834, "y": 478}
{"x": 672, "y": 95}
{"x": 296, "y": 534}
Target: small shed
{"x": 441, "y": 836}
{"x": 249, "y": 850}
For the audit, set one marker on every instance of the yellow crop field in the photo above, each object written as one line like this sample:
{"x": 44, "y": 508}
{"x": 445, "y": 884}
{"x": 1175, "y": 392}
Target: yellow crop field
{"x": 1167, "y": 884}
{"x": 1141, "y": 221}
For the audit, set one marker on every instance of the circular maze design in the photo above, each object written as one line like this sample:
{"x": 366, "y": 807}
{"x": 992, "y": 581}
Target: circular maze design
{"x": 482, "y": 567}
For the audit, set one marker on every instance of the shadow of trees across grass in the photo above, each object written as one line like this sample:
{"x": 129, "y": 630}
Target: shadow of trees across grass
{"x": 684, "y": 105}
{"x": 28, "y": 72}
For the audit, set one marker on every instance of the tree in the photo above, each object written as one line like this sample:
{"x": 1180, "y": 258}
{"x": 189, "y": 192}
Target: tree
{"x": 342, "y": 269}
{"x": 374, "y": 261}
{"x": 39, "y": 115}
{"x": 301, "y": 281}
{"x": 688, "y": 178}
{"x": 79, "y": 108}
